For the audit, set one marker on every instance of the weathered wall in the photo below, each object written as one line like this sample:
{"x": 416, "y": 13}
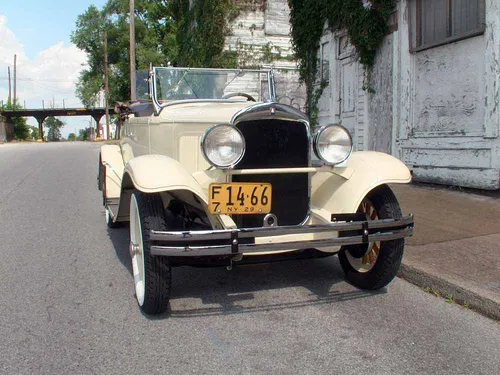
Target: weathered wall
{"x": 289, "y": 90}
{"x": 3, "y": 136}
{"x": 261, "y": 34}
{"x": 449, "y": 89}
{"x": 380, "y": 102}
{"x": 447, "y": 128}
{"x": 261, "y": 37}
{"x": 343, "y": 101}
{"x": 438, "y": 110}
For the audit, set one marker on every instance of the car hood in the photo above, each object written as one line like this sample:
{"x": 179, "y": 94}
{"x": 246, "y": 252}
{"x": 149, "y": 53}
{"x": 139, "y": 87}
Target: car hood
{"x": 206, "y": 111}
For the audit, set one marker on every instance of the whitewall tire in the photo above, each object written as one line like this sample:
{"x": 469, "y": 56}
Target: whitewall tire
{"x": 152, "y": 275}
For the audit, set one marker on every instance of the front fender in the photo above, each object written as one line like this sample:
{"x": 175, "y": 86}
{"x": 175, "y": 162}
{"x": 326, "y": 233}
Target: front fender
{"x": 157, "y": 173}
{"x": 335, "y": 193}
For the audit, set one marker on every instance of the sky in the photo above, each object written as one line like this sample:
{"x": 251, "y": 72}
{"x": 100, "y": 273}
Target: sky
{"x": 48, "y": 65}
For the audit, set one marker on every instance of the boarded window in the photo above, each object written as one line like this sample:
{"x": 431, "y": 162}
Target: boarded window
{"x": 437, "y": 22}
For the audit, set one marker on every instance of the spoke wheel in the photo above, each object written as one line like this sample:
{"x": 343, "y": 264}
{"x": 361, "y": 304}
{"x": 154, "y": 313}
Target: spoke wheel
{"x": 152, "y": 275}
{"x": 374, "y": 265}
{"x": 371, "y": 251}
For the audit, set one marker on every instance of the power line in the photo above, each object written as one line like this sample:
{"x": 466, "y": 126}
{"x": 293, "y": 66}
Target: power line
{"x": 36, "y": 80}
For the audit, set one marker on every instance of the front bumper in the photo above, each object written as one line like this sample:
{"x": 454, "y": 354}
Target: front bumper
{"x": 231, "y": 242}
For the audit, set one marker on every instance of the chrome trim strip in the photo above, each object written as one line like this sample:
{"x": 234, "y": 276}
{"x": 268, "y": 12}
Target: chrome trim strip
{"x": 280, "y": 170}
{"x": 282, "y": 112}
{"x": 152, "y": 83}
{"x": 220, "y": 250}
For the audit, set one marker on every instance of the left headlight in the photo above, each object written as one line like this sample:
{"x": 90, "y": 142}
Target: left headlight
{"x": 223, "y": 146}
{"x": 333, "y": 144}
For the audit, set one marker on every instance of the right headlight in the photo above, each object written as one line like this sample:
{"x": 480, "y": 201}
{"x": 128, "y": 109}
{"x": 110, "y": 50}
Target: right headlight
{"x": 223, "y": 146}
{"x": 333, "y": 144}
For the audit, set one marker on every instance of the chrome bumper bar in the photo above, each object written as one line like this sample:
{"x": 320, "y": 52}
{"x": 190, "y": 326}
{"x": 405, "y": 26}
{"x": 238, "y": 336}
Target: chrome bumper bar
{"x": 227, "y": 242}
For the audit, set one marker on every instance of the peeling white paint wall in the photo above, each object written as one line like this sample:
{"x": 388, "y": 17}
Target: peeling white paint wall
{"x": 380, "y": 103}
{"x": 261, "y": 37}
{"x": 448, "y": 129}
{"x": 438, "y": 110}
{"x": 448, "y": 91}
{"x": 263, "y": 27}
{"x": 343, "y": 101}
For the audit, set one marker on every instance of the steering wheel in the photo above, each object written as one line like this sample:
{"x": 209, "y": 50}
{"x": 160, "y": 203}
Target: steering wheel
{"x": 250, "y": 98}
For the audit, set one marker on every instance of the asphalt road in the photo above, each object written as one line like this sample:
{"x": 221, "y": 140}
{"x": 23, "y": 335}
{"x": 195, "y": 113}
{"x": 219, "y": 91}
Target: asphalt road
{"x": 67, "y": 302}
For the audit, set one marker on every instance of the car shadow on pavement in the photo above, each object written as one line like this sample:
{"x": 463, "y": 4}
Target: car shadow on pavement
{"x": 120, "y": 239}
{"x": 250, "y": 288}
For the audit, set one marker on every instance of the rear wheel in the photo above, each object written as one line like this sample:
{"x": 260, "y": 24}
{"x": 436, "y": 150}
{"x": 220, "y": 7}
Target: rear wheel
{"x": 374, "y": 265}
{"x": 152, "y": 275}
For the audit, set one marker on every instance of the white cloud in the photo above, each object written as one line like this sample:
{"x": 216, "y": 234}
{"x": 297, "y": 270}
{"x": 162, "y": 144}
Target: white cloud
{"x": 50, "y": 76}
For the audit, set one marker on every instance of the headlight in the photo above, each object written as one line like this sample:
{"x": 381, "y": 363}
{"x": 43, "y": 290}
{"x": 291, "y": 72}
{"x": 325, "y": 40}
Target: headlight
{"x": 333, "y": 144}
{"x": 223, "y": 146}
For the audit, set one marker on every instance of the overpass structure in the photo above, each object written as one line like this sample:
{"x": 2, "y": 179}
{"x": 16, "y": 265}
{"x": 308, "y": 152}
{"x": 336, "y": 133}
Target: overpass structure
{"x": 41, "y": 114}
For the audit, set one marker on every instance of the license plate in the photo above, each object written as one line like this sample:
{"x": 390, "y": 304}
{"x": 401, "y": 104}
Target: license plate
{"x": 239, "y": 198}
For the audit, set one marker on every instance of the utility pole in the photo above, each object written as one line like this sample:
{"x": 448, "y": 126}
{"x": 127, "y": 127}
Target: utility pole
{"x": 15, "y": 69}
{"x": 132, "y": 51}
{"x": 106, "y": 89}
{"x": 10, "y": 87}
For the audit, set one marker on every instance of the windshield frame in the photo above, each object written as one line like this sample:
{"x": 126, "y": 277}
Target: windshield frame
{"x": 158, "y": 106}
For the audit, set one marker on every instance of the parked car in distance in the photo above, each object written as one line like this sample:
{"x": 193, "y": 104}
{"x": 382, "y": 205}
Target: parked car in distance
{"x": 214, "y": 172}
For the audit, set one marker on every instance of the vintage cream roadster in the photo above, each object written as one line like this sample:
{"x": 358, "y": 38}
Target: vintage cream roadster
{"x": 214, "y": 172}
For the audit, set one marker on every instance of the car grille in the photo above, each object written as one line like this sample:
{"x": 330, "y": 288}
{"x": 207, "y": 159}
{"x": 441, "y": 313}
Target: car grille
{"x": 277, "y": 144}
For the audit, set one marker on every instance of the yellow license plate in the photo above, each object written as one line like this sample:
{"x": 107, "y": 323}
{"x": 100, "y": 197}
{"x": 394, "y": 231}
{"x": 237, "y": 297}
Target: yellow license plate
{"x": 239, "y": 198}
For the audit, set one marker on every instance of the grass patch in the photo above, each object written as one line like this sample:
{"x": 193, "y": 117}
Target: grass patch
{"x": 449, "y": 298}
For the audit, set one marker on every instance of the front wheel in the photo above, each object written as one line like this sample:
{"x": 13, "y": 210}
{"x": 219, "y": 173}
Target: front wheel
{"x": 374, "y": 265}
{"x": 152, "y": 275}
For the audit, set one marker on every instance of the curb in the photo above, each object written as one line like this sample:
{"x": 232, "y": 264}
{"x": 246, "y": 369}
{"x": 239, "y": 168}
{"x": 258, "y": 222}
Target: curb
{"x": 475, "y": 301}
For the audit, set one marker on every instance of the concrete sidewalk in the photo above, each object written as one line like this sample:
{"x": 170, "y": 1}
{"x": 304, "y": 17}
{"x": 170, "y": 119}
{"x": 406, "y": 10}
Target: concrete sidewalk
{"x": 455, "y": 250}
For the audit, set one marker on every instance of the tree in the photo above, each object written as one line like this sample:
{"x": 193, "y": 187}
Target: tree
{"x": 155, "y": 43}
{"x": 54, "y": 125}
{"x": 34, "y": 132}
{"x": 72, "y": 137}
{"x": 21, "y": 128}
{"x": 202, "y": 30}
{"x": 84, "y": 134}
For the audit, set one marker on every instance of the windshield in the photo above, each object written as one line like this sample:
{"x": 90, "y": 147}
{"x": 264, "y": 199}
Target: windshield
{"x": 183, "y": 83}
